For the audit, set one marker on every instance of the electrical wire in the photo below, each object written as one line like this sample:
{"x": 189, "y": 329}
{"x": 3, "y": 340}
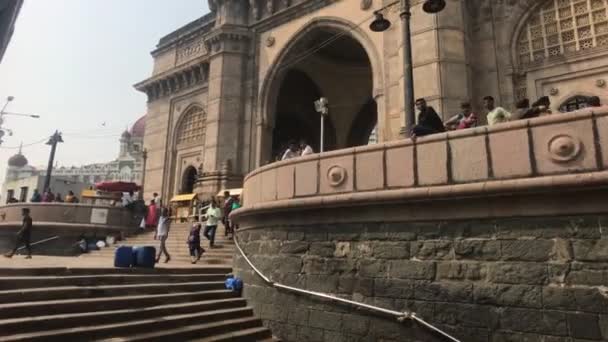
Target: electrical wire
{"x": 315, "y": 49}
{"x": 25, "y": 145}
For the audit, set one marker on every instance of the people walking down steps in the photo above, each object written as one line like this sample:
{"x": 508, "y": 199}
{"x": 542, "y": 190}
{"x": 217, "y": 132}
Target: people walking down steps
{"x": 213, "y": 216}
{"x": 194, "y": 243}
{"x": 176, "y": 244}
{"x": 162, "y": 233}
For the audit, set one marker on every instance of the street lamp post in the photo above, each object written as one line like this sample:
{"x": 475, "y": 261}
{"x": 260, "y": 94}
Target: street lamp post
{"x": 380, "y": 24}
{"x": 144, "y": 156}
{"x": 321, "y": 107}
{"x": 4, "y": 113}
{"x": 53, "y": 141}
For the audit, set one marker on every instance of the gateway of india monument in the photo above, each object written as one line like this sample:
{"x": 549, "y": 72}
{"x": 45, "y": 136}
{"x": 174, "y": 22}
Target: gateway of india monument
{"x": 229, "y": 89}
{"x": 492, "y": 232}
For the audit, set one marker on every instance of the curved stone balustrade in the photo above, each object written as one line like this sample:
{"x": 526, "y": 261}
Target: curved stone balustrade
{"x": 69, "y": 221}
{"x": 66, "y": 214}
{"x": 559, "y": 150}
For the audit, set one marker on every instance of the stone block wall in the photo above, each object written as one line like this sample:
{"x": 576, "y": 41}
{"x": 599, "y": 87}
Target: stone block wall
{"x": 518, "y": 279}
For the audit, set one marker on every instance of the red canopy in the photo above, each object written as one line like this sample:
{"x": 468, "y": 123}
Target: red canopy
{"x": 117, "y": 186}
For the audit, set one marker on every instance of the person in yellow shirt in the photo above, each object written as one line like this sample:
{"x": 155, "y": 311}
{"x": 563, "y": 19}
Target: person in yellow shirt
{"x": 495, "y": 114}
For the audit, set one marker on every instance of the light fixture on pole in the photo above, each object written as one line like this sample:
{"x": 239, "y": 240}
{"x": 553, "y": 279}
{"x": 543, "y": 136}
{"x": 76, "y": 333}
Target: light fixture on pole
{"x": 53, "y": 141}
{"x": 380, "y": 24}
{"x": 321, "y": 108}
{"x": 3, "y": 131}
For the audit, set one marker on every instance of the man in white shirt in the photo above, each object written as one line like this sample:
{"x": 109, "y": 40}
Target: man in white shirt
{"x": 495, "y": 114}
{"x": 292, "y": 151}
{"x": 162, "y": 233}
{"x": 306, "y": 149}
{"x": 213, "y": 215}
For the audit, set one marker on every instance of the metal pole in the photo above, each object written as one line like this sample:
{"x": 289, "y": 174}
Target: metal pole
{"x": 408, "y": 71}
{"x": 322, "y": 131}
{"x": 143, "y": 174}
{"x": 55, "y": 138}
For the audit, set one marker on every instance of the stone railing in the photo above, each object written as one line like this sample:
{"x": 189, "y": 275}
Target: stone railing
{"x": 65, "y": 223}
{"x": 569, "y": 149}
{"x": 68, "y": 214}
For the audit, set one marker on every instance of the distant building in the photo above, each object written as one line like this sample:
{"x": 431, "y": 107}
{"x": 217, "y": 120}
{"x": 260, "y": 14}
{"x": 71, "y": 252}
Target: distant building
{"x": 9, "y": 10}
{"x": 22, "y": 178}
{"x": 128, "y": 167}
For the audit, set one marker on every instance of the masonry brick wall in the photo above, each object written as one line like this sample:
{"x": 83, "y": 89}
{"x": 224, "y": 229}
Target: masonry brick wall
{"x": 524, "y": 279}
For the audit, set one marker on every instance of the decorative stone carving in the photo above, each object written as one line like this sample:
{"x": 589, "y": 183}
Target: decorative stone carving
{"x": 564, "y": 148}
{"x": 181, "y": 79}
{"x": 600, "y": 83}
{"x": 366, "y": 4}
{"x": 553, "y": 91}
{"x": 270, "y": 41}
{"x": 336, "y": 175}
{"x": 191, "y": 49}
{"x": 255, "y": 13}
{"x": 226, "y": 166}
{"x": 269, "y": 7}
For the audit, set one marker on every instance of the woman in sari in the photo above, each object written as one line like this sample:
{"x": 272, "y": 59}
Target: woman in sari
{"x": 152, "y": 216}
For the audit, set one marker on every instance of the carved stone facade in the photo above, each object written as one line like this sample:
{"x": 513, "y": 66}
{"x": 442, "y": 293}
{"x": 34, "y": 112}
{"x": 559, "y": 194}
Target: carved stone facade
{"x": 253, "y": 69}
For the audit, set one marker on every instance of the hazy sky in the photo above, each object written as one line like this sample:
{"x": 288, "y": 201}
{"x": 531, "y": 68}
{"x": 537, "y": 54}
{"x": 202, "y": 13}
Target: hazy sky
{"x": 74, "y": 63}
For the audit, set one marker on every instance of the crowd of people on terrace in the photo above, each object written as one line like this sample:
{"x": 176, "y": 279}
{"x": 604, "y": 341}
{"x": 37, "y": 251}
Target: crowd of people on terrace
{"x": 429, "y": 122}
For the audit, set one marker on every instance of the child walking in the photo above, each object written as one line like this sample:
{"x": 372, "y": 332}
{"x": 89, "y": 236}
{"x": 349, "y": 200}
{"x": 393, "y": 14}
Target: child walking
{"x": 194, "y": 243}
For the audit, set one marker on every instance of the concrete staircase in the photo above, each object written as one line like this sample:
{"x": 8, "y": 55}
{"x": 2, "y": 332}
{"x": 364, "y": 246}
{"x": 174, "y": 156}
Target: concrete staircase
{"x": 177, "y": 246}
{"x": 176, "y": 301}
{"x": 89, "y": 304}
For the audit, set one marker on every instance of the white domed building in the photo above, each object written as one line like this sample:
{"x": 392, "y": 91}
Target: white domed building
{"x": 127, "y": 167}
{"x": 22, "y": 178}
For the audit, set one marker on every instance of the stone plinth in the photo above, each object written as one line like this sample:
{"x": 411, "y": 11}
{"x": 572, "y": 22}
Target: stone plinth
{"x": 490, "y": 234}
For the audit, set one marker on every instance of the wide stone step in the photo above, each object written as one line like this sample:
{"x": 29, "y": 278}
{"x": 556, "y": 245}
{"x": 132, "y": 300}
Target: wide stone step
{"x": 175, "y": 262}
{"x": 66, "y": 306}
{"x": 196, "y": 331}
{"x": 13, "y": 283}
{"x": 71, "y": 292}
{"x": 81, "y": 319}
{"x": 258, "y": 334}
{"x": 66, "y": 271}
{"x": 228, "y": 252}
{"x": 144, "y": 326}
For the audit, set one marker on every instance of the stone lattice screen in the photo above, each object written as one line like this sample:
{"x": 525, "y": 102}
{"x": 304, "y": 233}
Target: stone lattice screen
{"x": 192, "y": 127}
{"x": 564, "y": 26}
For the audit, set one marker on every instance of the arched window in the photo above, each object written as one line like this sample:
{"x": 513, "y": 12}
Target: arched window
{"x": 562, "y": 27}
{"x": 574, "y": 103}
{"x": 192, "y": 126}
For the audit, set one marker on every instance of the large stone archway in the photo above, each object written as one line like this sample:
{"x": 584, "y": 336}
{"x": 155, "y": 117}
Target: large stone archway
{"x": 328, "y": 58}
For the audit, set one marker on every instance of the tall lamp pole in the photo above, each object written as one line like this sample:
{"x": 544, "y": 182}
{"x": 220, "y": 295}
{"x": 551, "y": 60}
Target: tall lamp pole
{"x": 144, "y": 156}
{"x": 321, "y": 107}
{"x": 53, "y": 141}
{"x": 380, "y": 24}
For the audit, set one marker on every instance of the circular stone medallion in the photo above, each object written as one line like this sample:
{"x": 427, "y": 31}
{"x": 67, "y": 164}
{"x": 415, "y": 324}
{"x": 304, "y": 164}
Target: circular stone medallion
{"x": 336, "y": 175}
{"x": 564, "y": 148}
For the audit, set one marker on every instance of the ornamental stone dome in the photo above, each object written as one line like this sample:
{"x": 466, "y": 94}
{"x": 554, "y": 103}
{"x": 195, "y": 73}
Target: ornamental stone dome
{"x": 125, "y": 135}
{"x": 139, "y": 127}
{"x": 18, "y": 160}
